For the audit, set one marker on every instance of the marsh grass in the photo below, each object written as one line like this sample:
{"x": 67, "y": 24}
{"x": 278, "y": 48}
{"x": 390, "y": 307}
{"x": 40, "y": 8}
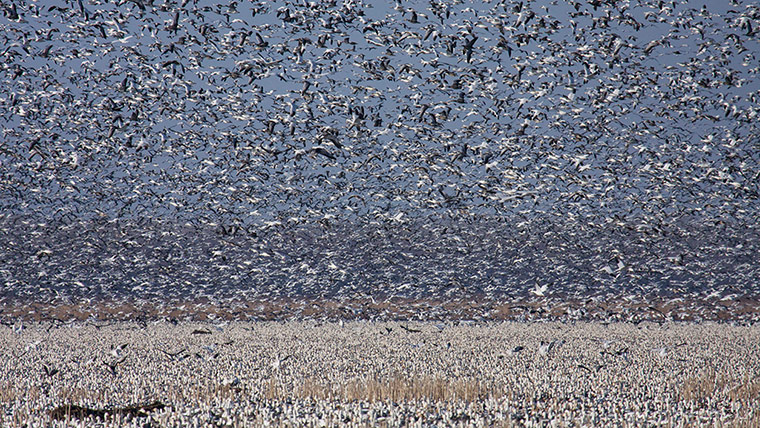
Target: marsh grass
{"x": 709, "y": 385}
{"x": 707, "y": 388}
{"x": 650, "y": 308}
{"x": 741, "y": 393}
{"x": 395, "y": 389}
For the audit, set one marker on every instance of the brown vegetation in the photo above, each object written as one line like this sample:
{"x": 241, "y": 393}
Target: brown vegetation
{"x": 739, "y": 392}
{"x": 649, "y": 308}
{"x": 394, "y": 389}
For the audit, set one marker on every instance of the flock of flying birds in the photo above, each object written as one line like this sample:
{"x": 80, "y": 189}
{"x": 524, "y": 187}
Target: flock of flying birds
{"x": 422, "y": 148}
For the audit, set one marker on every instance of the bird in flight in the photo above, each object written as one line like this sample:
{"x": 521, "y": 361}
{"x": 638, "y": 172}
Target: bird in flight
{"x": 540, "y": 290}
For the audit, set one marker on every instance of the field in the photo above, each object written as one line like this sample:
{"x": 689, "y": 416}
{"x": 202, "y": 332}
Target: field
{"x": 358, "y": 373}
